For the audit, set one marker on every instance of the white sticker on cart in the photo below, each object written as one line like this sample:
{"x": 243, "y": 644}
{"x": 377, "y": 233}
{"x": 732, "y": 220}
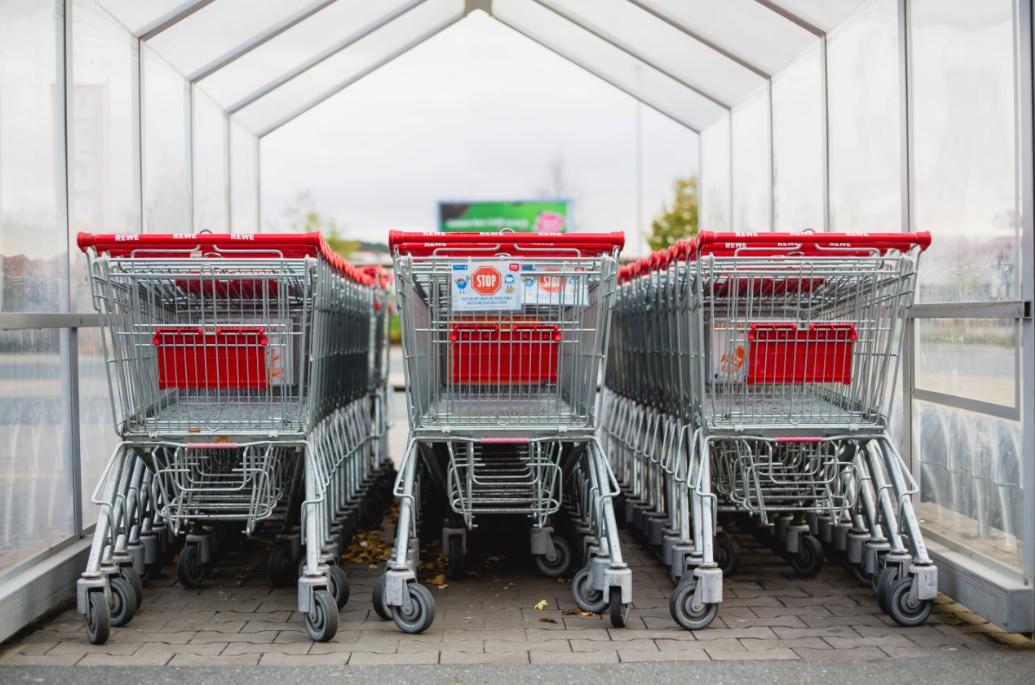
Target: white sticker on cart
{"x": 728, "y": 356}
{"x": 546, "y": 286}
{"x": 486, "y": 286}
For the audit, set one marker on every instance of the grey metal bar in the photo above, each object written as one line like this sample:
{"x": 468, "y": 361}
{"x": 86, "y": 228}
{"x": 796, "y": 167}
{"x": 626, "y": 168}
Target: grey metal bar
{"x": 173, "y": 18}
{"x": 635, "y": 55}
{"x": 1014, "y": 309}
{"x": 24, "y": 320}
{"x": 793, "y": 18}
{"x": 260, "y": 39}
{"x": 967, "y": 404}
{"x": 611, "y": 82}
{"x": 321, "y": 57}
{"x": 700, "y": 39}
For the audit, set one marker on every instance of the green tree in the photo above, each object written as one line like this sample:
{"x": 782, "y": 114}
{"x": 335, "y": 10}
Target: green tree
{"x": 679, "y": 220}
{"x": 302, "y": 216}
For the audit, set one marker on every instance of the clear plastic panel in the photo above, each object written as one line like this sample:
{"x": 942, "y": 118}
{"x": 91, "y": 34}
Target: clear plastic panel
{"x": 244, "y": 179}
{"x": 965, "y": 149}
{"x": 973, "y": 358}
{"x": 138, "y": 15}
{"x": 317, "y": 35}
{"x": 353, "y": 62}
{"x": 715, "y": 176}
{"x": 36, "y": 511}
{"x": 971, "y": 480}
{"x": 823, "y": 14}
{"x": 744, "y": 28}
{"x": 752, "y": 173}
{"x": 211, "y": 192}
{"x": 865, "y": 137}
{"x": 97, "y": 437}
{"x": 608, "y": 62}
{"x": 798, "y": 144}
{"x": 663, "y": 46}
{"x": 33, "y": 236}
{"x": 166, "y": 153}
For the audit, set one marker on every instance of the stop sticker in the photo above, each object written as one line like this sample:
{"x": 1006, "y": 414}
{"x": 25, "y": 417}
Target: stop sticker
{"x": 486, "y": 280}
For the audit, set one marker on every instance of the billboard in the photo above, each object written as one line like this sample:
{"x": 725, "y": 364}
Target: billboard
{"x": 540, "y": 216}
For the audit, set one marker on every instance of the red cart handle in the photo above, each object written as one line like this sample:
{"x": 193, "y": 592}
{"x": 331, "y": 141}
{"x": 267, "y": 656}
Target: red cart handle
{"x": 808, "y": 244}
{"x": 239, "y": 246}
{"x": 465, "y": 244}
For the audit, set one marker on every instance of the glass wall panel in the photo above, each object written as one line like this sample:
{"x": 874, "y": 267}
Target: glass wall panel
{"x": 973, "y": 358}
{"x": 964, "y": 149}
{"x": 244, "y": 179}
{"x": 715, "y": 176}
{"x": 209, "y": 165}
{"x": 823, "y": 14}
{"x": 865, "y": 139}
{"x": 745, "y": 28}
{"x": 35, "y": 490}
{"x": 664, "y": 46}
{"x": 97, "y": 437}
{"x": 166, "y": 155}
{"x": 752, "y": 174}
{"x": 596, "y": 56}
{"x": 798, "y": 144}
{"x": 970, "y": 480}
{"x": 138, "y": 15}
{"x": 33, "y": 235}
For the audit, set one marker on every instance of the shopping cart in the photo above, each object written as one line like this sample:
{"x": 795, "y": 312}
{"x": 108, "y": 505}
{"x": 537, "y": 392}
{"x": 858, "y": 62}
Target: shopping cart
{"x": 784, "y": 349}
{"x": 240, "y": 376}
{"x": 503, "y": 336}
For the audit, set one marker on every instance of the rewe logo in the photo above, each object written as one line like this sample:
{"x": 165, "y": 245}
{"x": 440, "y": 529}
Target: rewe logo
{"x": 486, "y": 280}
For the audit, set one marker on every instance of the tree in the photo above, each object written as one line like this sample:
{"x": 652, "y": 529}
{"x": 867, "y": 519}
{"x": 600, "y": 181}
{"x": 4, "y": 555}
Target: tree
{"x": 678, "y": 221}
{"x": 302, "y": 216}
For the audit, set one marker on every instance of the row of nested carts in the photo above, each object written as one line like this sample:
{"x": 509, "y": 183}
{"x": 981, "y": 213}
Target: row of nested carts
{"x": 747, "y": 382}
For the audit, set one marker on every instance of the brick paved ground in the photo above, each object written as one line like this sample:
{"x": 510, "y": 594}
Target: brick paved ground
{"x": 237, "y": 619}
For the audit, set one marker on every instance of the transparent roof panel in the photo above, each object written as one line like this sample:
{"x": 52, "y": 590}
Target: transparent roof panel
{"x": 745, "y": 28}
{"x": 316, "y": 37}
{"x": 140, "y": 15}
{"x": 608, "y": 63}
{"x": 206, "y": 35}
{"x": 349, "y": 64}
{"x": 665, "y": 47}
{"x": 823, "y": 14}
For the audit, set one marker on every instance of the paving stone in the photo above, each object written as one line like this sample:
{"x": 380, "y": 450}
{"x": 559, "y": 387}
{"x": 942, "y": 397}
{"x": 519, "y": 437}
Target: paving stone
{"x": 278, "y": 659}
{"x": 857, "y": 654}
{"x": 507, "y": 646}
{"x": 195, "y": 660}
{"x": 448, "y": 656}
{"x": 263, "y": 637}
{"x": 372, "y": 658}
{"x": 685, "y": 655}
{"x": 15, "y": 659}
{"x": 84, "y": 647}
{"x": 710, "y": 634}
{"x": 882, "y": 641}
{"x": 602, "y": 657}
{"x": 131, "y": 660}
{"x": 746, "y": 655}
{"x": 237, "y": 648}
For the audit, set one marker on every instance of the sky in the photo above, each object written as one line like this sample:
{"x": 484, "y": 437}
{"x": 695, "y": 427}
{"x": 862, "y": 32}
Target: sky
{"x": 477, "y": 112}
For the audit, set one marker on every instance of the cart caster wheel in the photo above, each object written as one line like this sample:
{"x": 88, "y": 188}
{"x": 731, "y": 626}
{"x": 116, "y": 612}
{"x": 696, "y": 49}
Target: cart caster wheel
{"x": 727, "y": 554}
{"x": 558, "y": 566}
{"x": 130, "y": 575}
{"x": 123, "y": 602}
{"x": 151, "y": 571}
{"x": 882, "y": 585}
{"x": 420, "y": 614}
{"x": 339, "y": 585}
{"x": 585, "y": 595}
{"x": 282, "y": 567}
{"x": 809, "y": 559}
{"x": 859, "y": 574}
{"x": 616, "y": 610}
{"x": 378, "y": 600}
{"x": 904, "y": 610}
{"x": 684, "y": 612}
{"x": 98, "y": 619}
{"x": 321, "y": 623}
{"x": 189, "y": 568}
{"x": 455, "y": 558}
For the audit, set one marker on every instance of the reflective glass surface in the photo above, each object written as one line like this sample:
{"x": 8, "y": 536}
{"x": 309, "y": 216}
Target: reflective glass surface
{"x": 715, "y": 176}
{"x": 166, "y": 154}
{"x": 244, "y": 179}
{"x": 209, "y": 165}
{"x": 752, "y": 177}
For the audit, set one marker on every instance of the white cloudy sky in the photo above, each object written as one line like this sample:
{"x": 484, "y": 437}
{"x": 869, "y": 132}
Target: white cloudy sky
{"x": 477, "y": 112}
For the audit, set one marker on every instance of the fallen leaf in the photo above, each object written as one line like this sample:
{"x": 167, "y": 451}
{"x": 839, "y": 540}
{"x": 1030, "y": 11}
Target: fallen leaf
{"x": 440, "y": 579}
{"x": 443, "y": 586}
{"x": 578, "y": 612}
{"x": 548, "y": 620}
{"x": 541, "y": 604}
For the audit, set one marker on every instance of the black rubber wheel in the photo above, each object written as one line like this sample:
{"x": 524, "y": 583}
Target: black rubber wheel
{"x": 616, "y": 610}
{"x": 727, "y": 554}
{"x": 681, "y": 606}
{"x": 151, "y": 571}
{"x": 339, "y": 585}
{"x": 189, "y": 568}
{"x": 378, "y": 600}
{"x": 585, "y": 595}
{"x": 808, "y": 561}
{"x": 419, "y": 616}
{"x": 282, "y": 566}
{"x": 321, "y": 622}
{"x": 123, "y": 601}
{"x": 902, "y": 609}
{"x": 98, "y": 618}
{"x": 455, "y": 558}
{"x": 558, "y": 566}
{"x": 859, "y": 574}
{"x": 130, "y": 575}
{"x": 884, "y": 581}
